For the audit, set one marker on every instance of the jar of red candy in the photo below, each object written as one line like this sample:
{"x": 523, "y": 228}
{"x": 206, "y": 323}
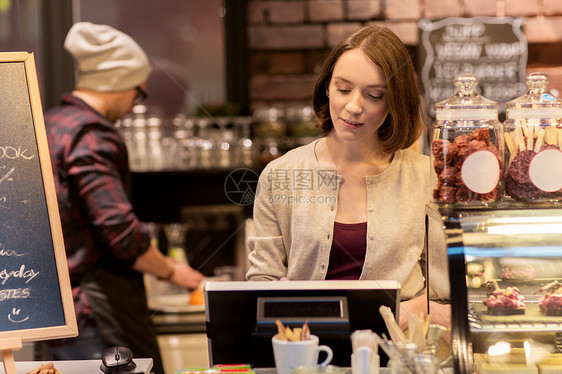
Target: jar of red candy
{"x": 533, "y": 138}
{"x": 466, "y": 148}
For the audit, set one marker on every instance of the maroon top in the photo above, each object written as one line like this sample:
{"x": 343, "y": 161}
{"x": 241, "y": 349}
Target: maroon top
{"x": 348, "y": 251}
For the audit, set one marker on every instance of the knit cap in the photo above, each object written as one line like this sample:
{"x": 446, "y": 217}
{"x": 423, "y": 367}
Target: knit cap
{"x": 106, "y": 59}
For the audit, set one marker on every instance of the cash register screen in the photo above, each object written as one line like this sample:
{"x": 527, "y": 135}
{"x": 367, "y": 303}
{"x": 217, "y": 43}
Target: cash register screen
{"x": 240, "y": 316}
{"x": 280, "y": 308}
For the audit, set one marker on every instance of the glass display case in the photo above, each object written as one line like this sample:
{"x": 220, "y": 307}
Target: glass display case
{"x": 505, "y": 267}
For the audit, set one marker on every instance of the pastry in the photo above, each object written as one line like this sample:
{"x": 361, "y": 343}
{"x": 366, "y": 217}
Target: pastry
{"x": 551, "y": 302}
{"x": 519, "y": 275}
{"x": 44, "y": 369}
{"x": 506, "y": 301}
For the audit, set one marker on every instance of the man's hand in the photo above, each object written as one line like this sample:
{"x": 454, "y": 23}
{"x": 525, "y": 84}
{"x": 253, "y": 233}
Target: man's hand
{"x": 166, "y": 268}
{"x": 185, "y": 276}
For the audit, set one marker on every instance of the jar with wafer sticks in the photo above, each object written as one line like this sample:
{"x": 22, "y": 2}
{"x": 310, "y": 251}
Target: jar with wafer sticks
{"x": 466, "y": 148}
{"x": 533, "y": 141}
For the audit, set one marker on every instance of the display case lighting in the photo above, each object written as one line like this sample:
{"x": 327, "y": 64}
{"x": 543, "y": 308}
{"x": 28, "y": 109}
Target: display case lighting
{"x": 500, "y": 348}
{"x": 527, "y": 228}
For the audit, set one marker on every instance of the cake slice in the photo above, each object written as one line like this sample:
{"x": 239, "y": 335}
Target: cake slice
{"x": 551, "y": 302}
{"x": 506, "y": 301}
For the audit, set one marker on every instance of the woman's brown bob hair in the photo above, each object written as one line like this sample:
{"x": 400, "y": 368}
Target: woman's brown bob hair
{"x": 404, "y": 123}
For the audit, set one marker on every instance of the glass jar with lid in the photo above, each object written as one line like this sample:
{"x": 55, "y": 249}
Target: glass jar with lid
{"x": 533, "y": 137}
{"x": 466, "y": 148}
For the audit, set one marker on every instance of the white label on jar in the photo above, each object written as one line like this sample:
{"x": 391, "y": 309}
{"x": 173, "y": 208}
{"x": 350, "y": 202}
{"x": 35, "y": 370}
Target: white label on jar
{"x": 480, "y": 172}
{"x": 545, "y": 170}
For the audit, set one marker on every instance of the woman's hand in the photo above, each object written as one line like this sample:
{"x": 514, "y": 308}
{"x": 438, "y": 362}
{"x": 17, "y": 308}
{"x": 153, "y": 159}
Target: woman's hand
{"x": 440, "y": 313}
{"x": 416, "y": 306}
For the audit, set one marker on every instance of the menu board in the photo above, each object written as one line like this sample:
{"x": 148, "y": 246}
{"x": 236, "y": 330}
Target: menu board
{"x": 493, "y": 49}
{"x": 35, "y": 294}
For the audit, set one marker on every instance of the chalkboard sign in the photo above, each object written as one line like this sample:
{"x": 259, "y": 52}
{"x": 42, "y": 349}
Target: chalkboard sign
{"x": 493, "y": 49}
{"x": 35, "y": 294}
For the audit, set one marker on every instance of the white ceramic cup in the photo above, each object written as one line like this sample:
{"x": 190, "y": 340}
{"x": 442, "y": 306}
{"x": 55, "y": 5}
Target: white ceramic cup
{"x": 292, "y": 354}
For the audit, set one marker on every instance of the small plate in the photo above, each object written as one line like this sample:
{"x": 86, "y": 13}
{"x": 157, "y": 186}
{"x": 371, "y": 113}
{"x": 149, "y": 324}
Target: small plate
{"x": 174, "y": 304}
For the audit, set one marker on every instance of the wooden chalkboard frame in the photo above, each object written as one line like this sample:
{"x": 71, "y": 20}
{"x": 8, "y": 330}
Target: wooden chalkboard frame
{"x": 69, "y": 327}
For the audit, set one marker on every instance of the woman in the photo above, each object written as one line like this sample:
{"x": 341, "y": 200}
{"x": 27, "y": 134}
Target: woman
{"x": 351, "y": 205}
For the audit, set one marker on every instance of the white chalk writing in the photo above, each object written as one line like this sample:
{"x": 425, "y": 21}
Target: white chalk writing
{"x": 445, "y": 72}
{"x": 495, "y": 51}
{"x": 503, "y": 51}
{"x": 458, "y": 51}
{"x": 7, "y": 175}
{"x": 14, "y": 152}
{"x": 21, "y": 273}
{"x": 15, "y": 316}
{"x": 463, "y": 32}
{"x": 9, "y": 252}
{"x": 14, "y": 293}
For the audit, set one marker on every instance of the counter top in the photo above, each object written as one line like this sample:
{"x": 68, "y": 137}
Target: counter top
{"x": 383, "y": 370}
{"x": 78, "y": 367}
{"x": 172, "y": 313}
{"x": 179, "y": 323}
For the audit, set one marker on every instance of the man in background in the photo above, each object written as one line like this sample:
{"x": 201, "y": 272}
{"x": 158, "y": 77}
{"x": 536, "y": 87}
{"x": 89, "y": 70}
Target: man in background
{"x": 108, "y": 248}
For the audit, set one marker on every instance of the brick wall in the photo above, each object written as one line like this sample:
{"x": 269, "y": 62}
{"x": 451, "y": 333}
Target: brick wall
{"x": 288, "y": 39}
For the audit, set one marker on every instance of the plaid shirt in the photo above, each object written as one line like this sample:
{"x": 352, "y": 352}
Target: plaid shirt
{"x": 91, "y": 172}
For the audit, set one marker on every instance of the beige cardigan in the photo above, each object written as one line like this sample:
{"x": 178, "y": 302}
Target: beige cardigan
{"x": 294, "y": 214}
